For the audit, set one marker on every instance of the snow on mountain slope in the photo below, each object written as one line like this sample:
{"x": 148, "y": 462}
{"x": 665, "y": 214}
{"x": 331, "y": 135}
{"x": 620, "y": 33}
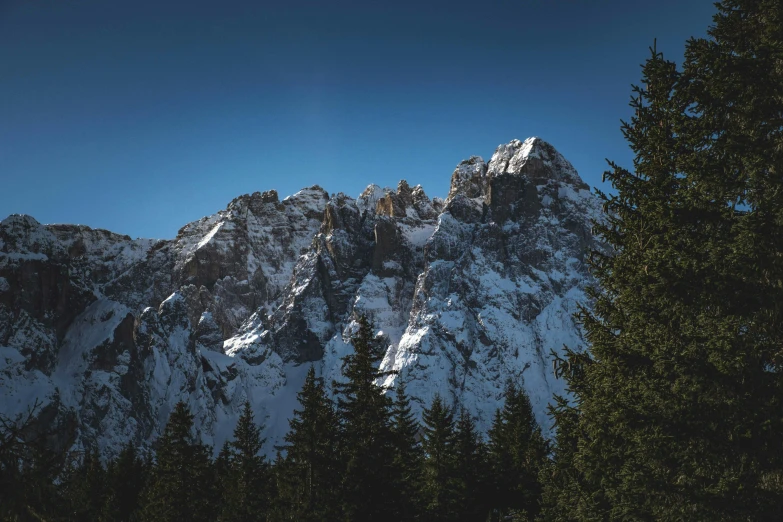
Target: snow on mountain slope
{"x": 502, "y": 277}
{"x": 108, "y": 333}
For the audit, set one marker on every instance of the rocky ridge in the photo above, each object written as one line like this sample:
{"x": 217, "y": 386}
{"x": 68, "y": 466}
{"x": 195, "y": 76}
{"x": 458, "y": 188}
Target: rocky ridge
{"x": 107, "y": 333}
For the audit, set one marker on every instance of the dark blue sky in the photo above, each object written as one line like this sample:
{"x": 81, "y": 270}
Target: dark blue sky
{"x": 140, "y": 116}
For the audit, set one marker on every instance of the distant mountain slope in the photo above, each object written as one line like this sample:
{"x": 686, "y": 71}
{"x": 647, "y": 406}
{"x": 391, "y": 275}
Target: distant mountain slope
{"x": 108, "y": 333}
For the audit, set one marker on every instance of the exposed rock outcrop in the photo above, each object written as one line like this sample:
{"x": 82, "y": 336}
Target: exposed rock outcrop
{"x": 108, "y": 332}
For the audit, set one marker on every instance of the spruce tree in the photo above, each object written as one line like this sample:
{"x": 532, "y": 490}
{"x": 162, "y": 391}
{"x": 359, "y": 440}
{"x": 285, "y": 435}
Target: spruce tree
{"x": 517, "y": 452}
{"x": 470, "y": 471}
{"x": 29, "y": 467}
{"x": 245, "y": 479}
{"x": 85, "y": 488}
{"x": 367, "y": 440}
{"x": 308, "y": 478}
{"x": 563, "y": 487}
{"x": 439, "y": 488}
{"x": 676, "y": 411}
{"x": 408, "y": 456}
{"x": 182, "y": 482}
{"x": 222, "y": 468}
{"x": 283, "y": 489}
{"x": 125, "y": 479}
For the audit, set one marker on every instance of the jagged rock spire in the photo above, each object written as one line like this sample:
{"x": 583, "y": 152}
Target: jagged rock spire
{"x": 533, "y": 158}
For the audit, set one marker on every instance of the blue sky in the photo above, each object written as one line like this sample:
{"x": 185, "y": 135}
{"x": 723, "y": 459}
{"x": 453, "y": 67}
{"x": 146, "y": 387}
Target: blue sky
{"x": 140, "y": 116}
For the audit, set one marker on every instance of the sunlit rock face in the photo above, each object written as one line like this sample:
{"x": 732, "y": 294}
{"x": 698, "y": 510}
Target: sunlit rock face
{"x": 106, "y": 333}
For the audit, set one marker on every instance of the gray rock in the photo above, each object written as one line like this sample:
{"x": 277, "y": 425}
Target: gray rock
{"x": 109, "y": 332}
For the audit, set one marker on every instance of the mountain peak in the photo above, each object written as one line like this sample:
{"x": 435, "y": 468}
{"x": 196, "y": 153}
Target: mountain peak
{"x": 467, "y": 293}
{"x": 469, "y": 178}
{"x": 534, "y": 158}
{"x": 22, "y": 234}
{"x": 21, "y": 219}
{"x": 368, "y": 199}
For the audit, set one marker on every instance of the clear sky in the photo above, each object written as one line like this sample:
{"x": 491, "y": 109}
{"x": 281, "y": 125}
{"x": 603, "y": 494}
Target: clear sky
{"x": 142, "y": 115}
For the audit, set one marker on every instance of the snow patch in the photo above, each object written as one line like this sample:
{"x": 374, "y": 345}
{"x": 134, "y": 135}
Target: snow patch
{"x": 207, "y": 238}
{"x": 418, "y": 235}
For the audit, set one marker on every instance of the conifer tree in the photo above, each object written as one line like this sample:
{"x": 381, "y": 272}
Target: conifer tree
{"x": 245, "y": 481}
{"x": 470, "y": 473}
{"x": 563, "y": 487}
{"x": 125, "y": 479}
{"x": 85, "y": 488}
{"x": 28, "y": 469}
{"x": 676, "y": 413}
{"x": 517, "y": 452}
{"x": 182, "y": 482}
{"x": 408, "y": 456}
{"x": 367, "y": 439}
{"x": 283, "y": 489}
{"x": 308, "y": 478}
{"x": 439, "y": 488}
{"x": 223, "y": 468}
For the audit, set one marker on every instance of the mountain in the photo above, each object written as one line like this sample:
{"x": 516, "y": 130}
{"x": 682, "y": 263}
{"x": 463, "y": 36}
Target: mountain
{"x": 105, "y": 333}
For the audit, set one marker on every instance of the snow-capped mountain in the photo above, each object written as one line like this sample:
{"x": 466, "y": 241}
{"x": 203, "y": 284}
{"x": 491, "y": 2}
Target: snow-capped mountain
{"x": 107, "y": 333}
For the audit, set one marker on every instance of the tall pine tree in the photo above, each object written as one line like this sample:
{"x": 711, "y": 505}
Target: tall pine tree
{"x": 517, "y": 452}
{"x": 245, "y": 479}
{"x": 29, "y": 466}
{"x": 182, "y": 482}
{"x": 408, "y": 457}
{"x": 677, "y": 409}
{"x": 125, "y": 479}
{"x": 308, "y": 478}
{"x": 439, "y": 487}
{"x": 367, "y": 439}
{"x": 470, "y": 471}
{"x": 85, "y": 488}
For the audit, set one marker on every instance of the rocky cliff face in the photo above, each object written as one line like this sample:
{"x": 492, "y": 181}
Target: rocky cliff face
{"x": 107, "y": 333}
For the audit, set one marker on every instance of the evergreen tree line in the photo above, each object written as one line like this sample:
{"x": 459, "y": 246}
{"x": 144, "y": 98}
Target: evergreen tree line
{"x": 361, "y": 457}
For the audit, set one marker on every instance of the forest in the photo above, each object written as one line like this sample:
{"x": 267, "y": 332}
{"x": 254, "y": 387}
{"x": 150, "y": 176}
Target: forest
{"x": 675, "y": 411}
